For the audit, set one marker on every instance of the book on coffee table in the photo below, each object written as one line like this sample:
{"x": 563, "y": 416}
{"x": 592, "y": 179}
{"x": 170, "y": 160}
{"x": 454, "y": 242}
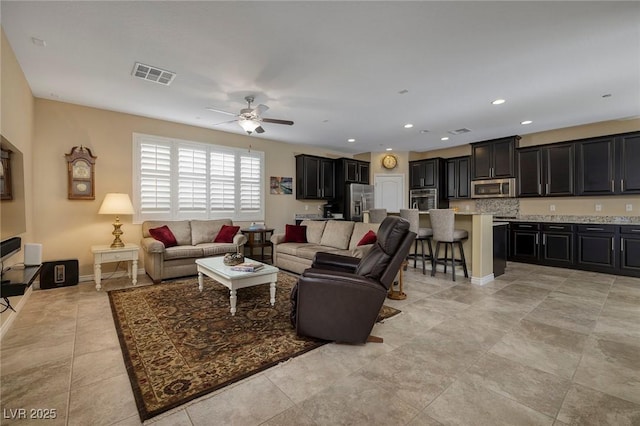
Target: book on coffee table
{"x": 247, "y": 267}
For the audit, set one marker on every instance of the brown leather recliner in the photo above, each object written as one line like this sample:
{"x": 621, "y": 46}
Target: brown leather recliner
{"x": 339, "y": 297}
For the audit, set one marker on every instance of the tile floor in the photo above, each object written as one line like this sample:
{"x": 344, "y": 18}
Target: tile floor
{"x": 537, "y": 346}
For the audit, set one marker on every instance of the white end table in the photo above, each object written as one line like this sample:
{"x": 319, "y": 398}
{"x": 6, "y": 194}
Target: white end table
{"x": 105, "y": 254}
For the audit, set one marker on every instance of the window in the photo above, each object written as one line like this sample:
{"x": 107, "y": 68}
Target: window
{"x": 176, "y": 179}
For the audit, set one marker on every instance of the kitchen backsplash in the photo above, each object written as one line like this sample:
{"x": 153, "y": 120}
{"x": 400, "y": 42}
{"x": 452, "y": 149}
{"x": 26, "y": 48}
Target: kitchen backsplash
{"x": 508, "y": 207}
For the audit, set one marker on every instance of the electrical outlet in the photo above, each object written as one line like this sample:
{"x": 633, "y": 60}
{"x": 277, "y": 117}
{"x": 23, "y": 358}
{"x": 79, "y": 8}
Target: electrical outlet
{"x": 598, "y": 207}
{"x": 629, "y": 207}
{"x": 306, "y": 207}
{"x": 552, "y": 207}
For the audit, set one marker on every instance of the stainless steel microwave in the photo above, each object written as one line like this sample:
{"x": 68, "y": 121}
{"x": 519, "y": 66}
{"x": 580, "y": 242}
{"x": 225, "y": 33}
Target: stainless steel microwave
{"x": 493, "y": 188}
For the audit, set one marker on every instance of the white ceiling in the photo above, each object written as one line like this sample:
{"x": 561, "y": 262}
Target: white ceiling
{"x": 336, "y": 68}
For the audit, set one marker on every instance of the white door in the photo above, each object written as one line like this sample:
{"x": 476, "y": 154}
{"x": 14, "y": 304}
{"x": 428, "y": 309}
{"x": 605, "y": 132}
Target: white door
{"x": 389, "y": 192}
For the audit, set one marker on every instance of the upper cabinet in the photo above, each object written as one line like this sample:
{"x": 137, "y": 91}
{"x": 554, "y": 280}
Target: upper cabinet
{"x": 352, "y": 171}
{"x": 545, "y": 170}
{"x": 458, "y": 177}
{"x": 315, "y": 177}
{"x": 494, "y": 159}
{"x": 608, "y": 165}
{"x": 426, "y": 174}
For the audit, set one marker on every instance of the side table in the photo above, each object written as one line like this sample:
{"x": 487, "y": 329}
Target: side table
{"x": 105, "y": 254}
{"x": 262, "y": 241}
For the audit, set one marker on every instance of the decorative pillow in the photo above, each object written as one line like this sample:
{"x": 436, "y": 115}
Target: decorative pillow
{"x": 164, "y": 235}
{"x": 226, "y": 234}
{"x": 295, "y": 234}
{"x": 369, "y": 238}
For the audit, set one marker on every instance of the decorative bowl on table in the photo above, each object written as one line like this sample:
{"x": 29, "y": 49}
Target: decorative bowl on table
{"x": 232, "y": 259}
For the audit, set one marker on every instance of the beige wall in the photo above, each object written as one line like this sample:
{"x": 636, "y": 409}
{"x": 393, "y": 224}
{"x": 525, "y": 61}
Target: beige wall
{"x": 68, "y": 228}
{"x": 16, "y": 125}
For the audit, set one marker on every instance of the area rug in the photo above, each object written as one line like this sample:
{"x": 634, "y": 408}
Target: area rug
{"x": 179, "y": 343}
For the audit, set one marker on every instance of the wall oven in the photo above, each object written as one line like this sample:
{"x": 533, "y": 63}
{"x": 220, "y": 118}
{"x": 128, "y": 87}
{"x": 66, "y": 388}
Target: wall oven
{"x": 423, "y": 199}
{"x": 493, "y": 188}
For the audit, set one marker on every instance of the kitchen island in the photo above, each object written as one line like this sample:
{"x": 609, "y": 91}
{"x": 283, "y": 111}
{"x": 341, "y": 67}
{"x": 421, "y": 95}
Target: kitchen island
{"x": 478, "y": 248}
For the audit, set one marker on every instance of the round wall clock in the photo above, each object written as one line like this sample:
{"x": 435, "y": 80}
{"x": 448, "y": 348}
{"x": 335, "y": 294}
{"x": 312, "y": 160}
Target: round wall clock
{"x": 389, "y": 161}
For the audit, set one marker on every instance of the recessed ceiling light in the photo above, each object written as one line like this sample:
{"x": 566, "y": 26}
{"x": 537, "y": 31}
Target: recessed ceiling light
{"x": 389, "y": 149}
{"x": 38, "y": 42}
{"x": 424, "y": 131}
{"x": 526, "y": 122}
{"x": 498, "y": 102}
{"x": 445, "y": 138}
{"x": 408, "y": 126}
{"x": 351, "y": 140}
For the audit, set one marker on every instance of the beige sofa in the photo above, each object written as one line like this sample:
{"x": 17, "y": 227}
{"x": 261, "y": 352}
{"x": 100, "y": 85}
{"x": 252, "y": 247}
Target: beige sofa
{"x": 333, "y": 236}
{"x": 195, "y": 240}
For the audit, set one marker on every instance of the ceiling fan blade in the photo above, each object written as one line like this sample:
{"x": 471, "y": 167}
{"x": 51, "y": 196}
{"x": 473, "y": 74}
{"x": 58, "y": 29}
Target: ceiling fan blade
{"x": 260, "y": 109}
{"x": 276, "y": 121}
{"x": 259, "y": 129}
{"x": 220, "y": 111}
{"x": 225, "y": 122}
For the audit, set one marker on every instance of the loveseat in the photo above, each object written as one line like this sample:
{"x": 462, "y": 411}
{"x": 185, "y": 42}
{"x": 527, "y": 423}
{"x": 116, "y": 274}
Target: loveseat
{"x": 194, "y": 240}
{"x": 332, "y": 236}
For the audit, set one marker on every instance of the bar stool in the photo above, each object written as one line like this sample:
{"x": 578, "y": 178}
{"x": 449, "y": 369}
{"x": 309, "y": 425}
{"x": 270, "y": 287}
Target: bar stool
{"x": 377, "y": 215}
{"x": 442, "y": 222}
{"x": 423, "y": 234}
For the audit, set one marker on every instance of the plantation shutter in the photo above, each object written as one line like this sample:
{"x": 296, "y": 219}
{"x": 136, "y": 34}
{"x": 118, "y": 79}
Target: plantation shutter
{"x": 192, "y": 180}
{"x": 222, "y": 188}
{"x": 250, "y": 184}
{"x": 155, "y": 178}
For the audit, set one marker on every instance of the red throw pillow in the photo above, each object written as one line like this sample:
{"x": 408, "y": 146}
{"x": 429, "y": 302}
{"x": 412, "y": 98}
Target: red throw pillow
{"x": 295, "y": 234}
{"x": 164, "y": 235}
{"x": 226, "y": 234}
{"x": 369, "y": 238}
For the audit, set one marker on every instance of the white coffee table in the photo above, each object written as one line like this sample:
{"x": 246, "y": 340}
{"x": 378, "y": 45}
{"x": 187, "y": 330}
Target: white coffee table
{"x": 214, "y": 267}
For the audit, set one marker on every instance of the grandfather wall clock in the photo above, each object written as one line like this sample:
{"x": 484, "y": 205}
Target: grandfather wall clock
{"x": 81, "y": 174}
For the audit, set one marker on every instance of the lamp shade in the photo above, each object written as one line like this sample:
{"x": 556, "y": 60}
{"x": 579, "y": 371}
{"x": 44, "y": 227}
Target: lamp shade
{"x": 249, "y": 125}
{"x": 116, "y": 203}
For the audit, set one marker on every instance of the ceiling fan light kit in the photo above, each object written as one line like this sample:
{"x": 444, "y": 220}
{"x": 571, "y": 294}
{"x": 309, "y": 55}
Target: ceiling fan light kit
{"x": 250, "y": 118}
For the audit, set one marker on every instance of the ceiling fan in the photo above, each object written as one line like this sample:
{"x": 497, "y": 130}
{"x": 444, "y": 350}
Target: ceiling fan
{"x": 250, "y": 119}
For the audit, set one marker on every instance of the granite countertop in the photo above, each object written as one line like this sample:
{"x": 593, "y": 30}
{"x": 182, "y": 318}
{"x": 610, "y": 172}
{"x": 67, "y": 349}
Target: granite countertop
{"x": 602, "y": 220}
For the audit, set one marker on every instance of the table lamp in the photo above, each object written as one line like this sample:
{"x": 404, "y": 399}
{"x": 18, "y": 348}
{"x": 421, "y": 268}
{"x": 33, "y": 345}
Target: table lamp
{"x": 117, "y": 204}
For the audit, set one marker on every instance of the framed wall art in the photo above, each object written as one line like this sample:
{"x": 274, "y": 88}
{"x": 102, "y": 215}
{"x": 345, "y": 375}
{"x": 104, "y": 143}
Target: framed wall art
{"x": 81, "y": 173}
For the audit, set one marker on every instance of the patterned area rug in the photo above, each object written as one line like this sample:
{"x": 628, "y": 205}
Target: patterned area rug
{"x": 179, "y": 344}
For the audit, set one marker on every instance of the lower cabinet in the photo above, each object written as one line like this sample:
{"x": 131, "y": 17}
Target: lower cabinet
{"x": 557, "y": 245}
{"x": 596, "y": 247}
{"x": 613, "y": 249}
{"x": 630, "y": 250}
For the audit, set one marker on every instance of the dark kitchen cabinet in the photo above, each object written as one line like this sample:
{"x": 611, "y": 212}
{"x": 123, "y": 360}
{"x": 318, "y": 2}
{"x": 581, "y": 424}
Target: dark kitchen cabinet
{"x": 628, "y": 166}
{"x": 315, "y": 177}
{"x": 546, "y": 170}
{"x": 525, "y": 242}
{"x": 494, "y": 159}
{"x": 426, "y": 174}
{"x": 557, "y": 245}
{"x": 630, "y": 250}
{"x": 458, "y": 177}
{"x": 351, "y": 171}
{"x": 596, "y": 248}
{"x": 608, "y": 165}
{"x": 500, "y": 248}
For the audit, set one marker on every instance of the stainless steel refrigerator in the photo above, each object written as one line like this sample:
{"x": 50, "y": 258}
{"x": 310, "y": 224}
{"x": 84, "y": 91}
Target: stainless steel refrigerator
{"x": 359, "y": 200}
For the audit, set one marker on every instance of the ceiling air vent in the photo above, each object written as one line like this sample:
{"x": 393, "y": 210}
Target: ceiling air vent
{"x": 459, "y": 131}
{"x": 155, "y": 74}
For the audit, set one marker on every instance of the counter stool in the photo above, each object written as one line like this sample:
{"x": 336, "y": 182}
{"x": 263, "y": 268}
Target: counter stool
{"x": 377, "y": 215}
{"x": 442, "y": 222}
{"x": 423, "y": 234}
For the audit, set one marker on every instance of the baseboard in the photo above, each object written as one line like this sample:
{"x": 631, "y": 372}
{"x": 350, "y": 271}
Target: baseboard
{"x": 12, "y": 315}
{"x": 118, "y": 274}
{"x": 482, "y": 280}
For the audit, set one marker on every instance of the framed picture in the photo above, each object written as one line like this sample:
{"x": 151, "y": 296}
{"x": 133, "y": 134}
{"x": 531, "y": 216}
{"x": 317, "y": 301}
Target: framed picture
{"x": 281, "y": 185}
{"x": 6, "y": 186}
{"x": 81, "y": 173}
